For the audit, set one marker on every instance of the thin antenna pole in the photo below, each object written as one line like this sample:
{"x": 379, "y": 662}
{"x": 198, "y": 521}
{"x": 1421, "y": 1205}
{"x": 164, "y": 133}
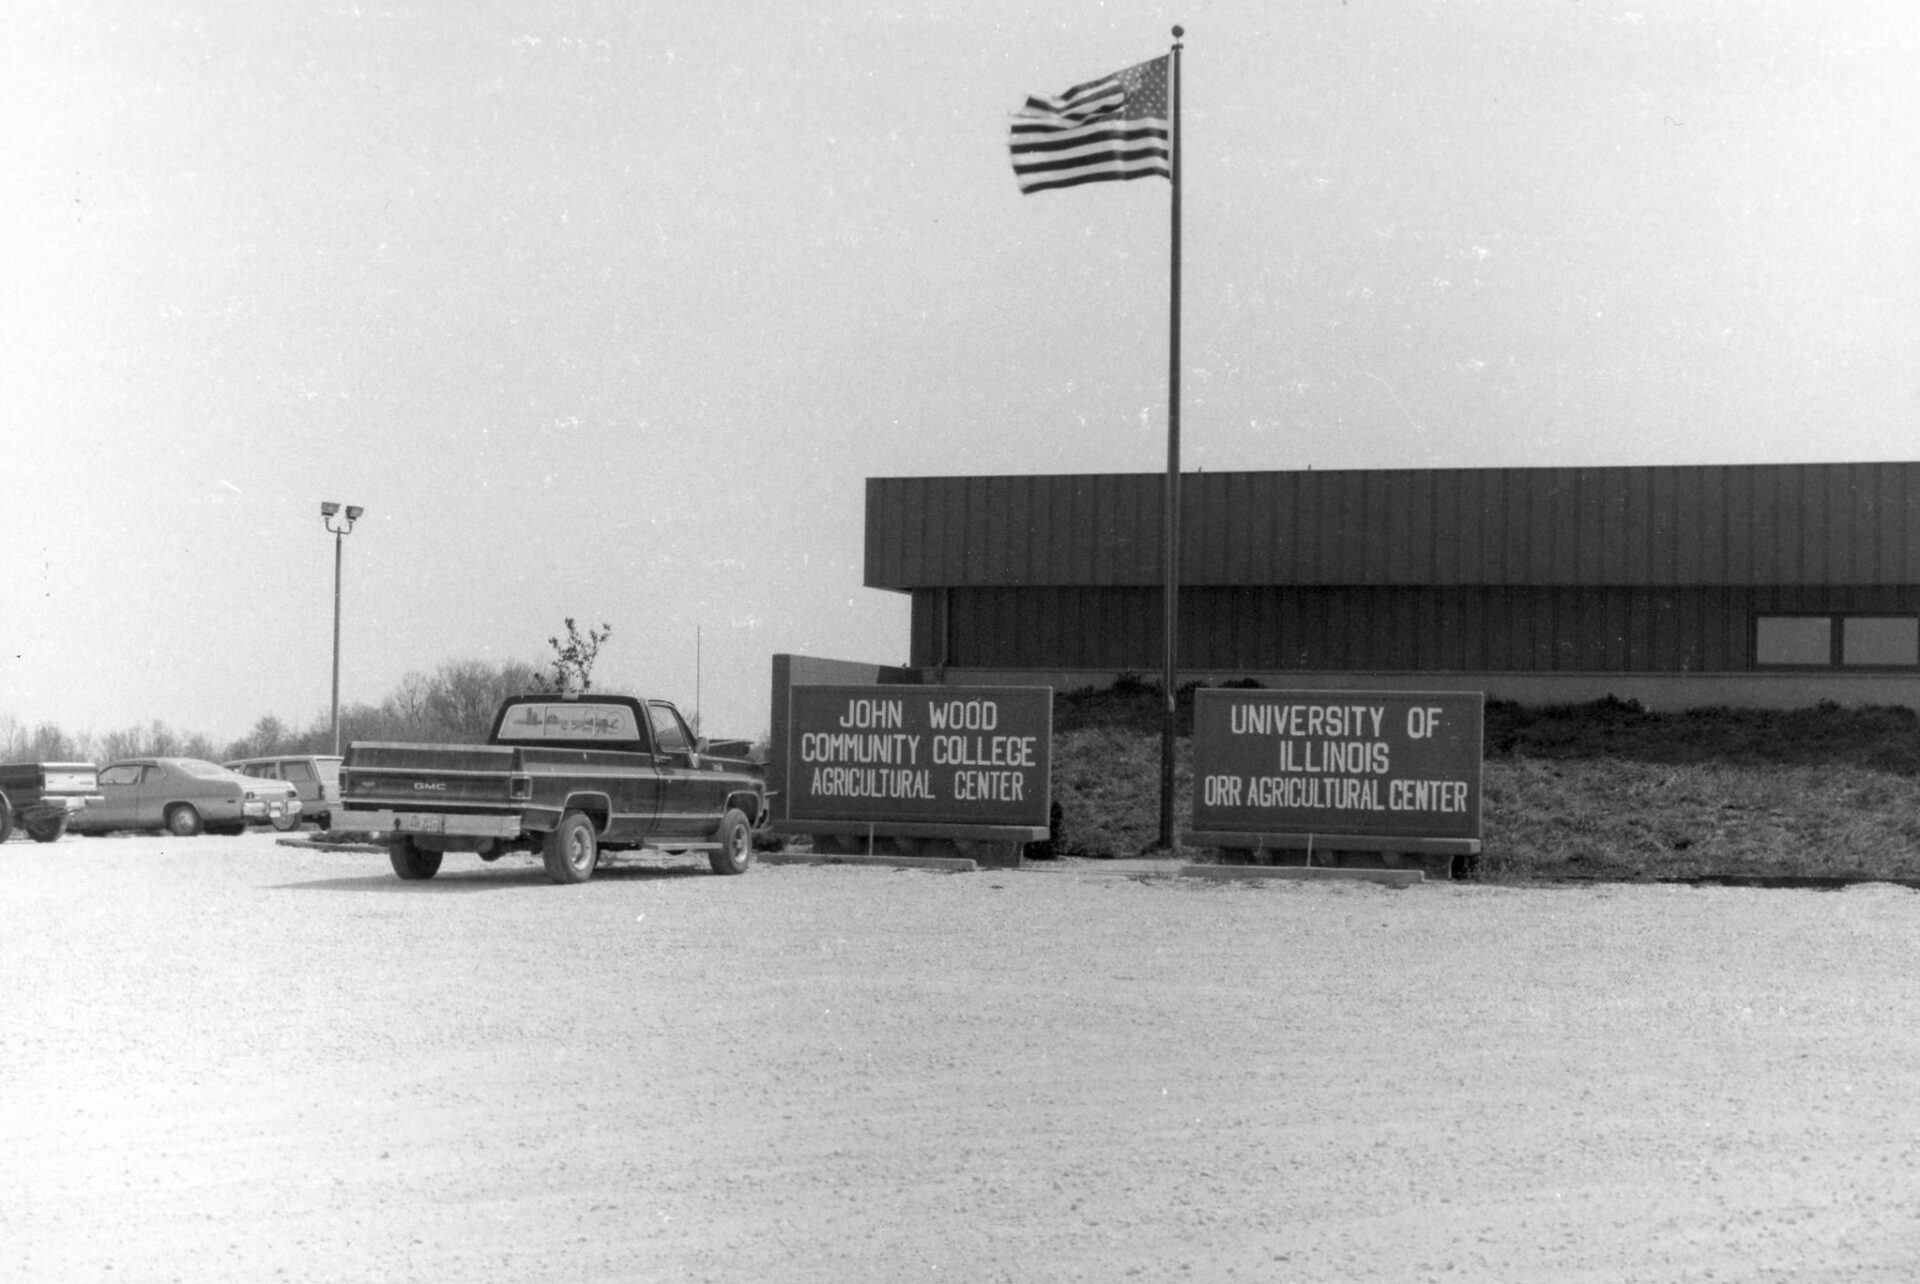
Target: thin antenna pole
{"x": 697, "y": 724}
{"x": 1170, "y": 518}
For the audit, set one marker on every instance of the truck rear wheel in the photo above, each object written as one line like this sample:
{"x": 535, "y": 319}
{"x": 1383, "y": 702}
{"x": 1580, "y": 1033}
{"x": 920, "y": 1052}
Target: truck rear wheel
{"x": 410, "y": 861}
{"x": 47, "y": 831}
{"x": 571, "y": 850}
{"x": 735, "y": 853}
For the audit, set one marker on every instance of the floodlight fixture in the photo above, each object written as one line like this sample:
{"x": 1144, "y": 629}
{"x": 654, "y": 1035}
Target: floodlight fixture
{"x": 328, "y": 508}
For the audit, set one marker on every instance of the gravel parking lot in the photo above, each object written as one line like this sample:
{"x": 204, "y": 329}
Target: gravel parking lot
{"x": 227, "y": 1059}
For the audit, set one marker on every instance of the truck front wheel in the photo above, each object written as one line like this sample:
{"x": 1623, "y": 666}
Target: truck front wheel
{"x": 571, "y": 850}
{"x": 735, "y": 853}
{"x": 410, "y": 861}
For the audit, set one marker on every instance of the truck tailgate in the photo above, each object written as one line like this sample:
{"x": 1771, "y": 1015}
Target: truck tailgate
{"x": 427, "y": 776}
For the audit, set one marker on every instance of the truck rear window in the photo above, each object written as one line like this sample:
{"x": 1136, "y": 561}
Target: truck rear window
{"x": 573, "y": 720}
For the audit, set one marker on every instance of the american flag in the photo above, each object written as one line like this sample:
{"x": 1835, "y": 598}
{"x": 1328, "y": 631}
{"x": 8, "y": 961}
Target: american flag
{"x": 1107, "y": 130}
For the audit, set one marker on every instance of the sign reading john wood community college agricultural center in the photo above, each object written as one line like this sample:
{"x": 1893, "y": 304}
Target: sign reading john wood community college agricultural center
{"x": 1382, "y": 763}
{"x": 920, "y": 755}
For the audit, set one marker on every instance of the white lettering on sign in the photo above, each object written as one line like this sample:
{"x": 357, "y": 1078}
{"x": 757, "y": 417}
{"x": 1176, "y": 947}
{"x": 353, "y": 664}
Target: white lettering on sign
{"x": 1334, "y": 757}
{"x": 989, "y": 786}
{"x": 1334, "y": 720}
{"x": 1336, "y": 793}
{"x": 985, "y": 751}
{"x": 872, "y": 713}
{"x": 1427, "y": 795}
{"x": 963, "y": 715}
{"x": 830, "y": 746}
{"x": 1222, "y": 791}
{"x": 1316, "y": 793}
{"x": 871, "y": 782}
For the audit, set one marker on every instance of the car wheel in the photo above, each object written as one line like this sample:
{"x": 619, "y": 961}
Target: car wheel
{"x": 410, "y": 861}
{"x": 183, "y": 821}
{"x": 6, "y": 819}
{"x": 47, "y": 831}
{"x": 571, "y": 850}
{"x": 284, "y": 822}
{"x": 735, "y": 853}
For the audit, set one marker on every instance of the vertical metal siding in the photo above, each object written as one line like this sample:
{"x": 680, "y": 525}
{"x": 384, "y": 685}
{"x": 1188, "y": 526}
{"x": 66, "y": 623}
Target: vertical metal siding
{"x": 1303, "y": 526}
{"x": 1589, "y": 532}
{"x": 1002, "y": 536}
{"x": 1738, "y": 524}
{"x": 1663, "y": 525}
{"x": 1264, "y": 550}
{"x": 1771, "y": 536}
{"x": 1507, "y": 628}
{"x": 1444, "y": 526}
{"x": 1831, "y": 560}
{"x": 1898, "y": 525}
{"x": 1743, "y": 527}
{"x": 1534, "y": 515}
{"x": 1490, "y": 553}
{"x": 1401, "y": 543}
{"x": 1101, "y": 501}
{"x": 1351, "y": 552}
{"x": 1864, "y": 542}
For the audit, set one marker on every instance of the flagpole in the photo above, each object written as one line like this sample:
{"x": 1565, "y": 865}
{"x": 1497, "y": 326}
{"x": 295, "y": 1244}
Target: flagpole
{"x": 1170, "y": 518}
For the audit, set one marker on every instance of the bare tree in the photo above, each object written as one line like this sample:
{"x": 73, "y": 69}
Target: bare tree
{"x": 51, "y": 744}
{"x": 268, "y": 735}
{"x": 465, "y": 694}
{"x": 573, "y": 659}
{"x": 406, "y": 705}
{"x": 161, "y": 741}
{"x": 454, "y": 704}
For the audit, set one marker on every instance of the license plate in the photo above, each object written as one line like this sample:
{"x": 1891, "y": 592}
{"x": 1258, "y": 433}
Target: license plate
{"x": 421, "y": 824}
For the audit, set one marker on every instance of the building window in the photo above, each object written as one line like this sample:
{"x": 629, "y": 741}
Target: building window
{"x": 1880, "y": 641}
{"x": 1813, "y": 641}
{"x": 1797, "y": 640}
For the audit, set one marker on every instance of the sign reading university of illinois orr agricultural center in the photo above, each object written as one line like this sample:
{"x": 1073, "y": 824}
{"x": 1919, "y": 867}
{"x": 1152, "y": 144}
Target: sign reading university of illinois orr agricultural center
{"x": 920, "y": 755}
{"x": 1387, "y": 764}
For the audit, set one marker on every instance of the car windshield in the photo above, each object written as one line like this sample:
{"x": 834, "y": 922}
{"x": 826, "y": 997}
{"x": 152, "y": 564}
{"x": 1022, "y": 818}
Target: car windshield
{"x": 200, "y": 767}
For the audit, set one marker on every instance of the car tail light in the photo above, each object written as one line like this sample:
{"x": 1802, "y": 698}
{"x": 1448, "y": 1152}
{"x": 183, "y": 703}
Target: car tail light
{"x": 519, "y": 787}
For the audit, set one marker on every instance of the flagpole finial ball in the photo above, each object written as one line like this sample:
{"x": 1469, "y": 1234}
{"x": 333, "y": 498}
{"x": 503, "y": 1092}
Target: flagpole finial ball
{"x": 1179, "y": 32}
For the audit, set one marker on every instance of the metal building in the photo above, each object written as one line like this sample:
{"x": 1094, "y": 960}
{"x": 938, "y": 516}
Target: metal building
{"x": 1737, "y": 584}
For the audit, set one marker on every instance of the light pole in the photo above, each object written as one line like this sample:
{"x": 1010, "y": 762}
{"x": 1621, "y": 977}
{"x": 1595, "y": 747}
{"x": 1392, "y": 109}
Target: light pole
{"x": 327, "y": 511}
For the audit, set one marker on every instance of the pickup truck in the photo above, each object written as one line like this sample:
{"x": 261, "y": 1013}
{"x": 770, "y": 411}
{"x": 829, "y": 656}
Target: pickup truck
{"x": 568, "y": 777}
{"x": 39, "y": 796}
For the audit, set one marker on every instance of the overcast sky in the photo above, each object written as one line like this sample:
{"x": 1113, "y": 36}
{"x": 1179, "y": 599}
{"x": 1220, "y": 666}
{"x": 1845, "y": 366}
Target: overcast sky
{"x": 608, "y": 310}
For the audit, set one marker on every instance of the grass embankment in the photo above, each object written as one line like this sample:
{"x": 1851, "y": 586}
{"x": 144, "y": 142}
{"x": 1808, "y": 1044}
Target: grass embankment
{"x": 1603, "y": 790}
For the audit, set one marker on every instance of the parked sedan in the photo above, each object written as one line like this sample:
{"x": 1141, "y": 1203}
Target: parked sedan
{"x": 183, "y": 796}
